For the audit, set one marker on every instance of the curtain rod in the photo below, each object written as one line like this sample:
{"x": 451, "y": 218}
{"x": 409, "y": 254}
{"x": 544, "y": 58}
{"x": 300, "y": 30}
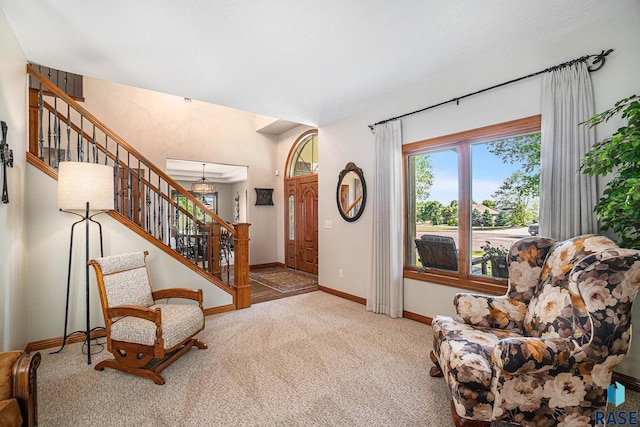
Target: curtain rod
{"x": 598, "y": 59}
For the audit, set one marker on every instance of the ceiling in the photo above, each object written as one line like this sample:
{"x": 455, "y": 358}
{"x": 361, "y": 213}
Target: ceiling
{"x": 187, "y": 170}
{"x": 310, "y": 62}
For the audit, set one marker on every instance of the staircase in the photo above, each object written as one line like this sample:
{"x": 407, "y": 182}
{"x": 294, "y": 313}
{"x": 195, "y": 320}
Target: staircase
{"x": 147, "y": 200}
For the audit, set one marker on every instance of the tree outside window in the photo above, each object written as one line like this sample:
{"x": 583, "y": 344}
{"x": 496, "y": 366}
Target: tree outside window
{"x": 499, "y": 166}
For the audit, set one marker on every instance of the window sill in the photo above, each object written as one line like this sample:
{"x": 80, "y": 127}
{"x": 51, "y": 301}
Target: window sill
{"x": 471, "y": 283}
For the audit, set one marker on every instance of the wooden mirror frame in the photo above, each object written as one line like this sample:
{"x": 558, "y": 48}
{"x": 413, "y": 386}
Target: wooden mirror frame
{"x": 351, "y": 167}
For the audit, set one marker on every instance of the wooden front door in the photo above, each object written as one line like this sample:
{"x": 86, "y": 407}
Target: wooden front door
{"x": 301, "y": 228}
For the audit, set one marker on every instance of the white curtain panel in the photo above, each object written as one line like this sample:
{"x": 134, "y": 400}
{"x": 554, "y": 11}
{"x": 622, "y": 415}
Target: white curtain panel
{"x": 385, "y": 293}
{"x": 567, "y": 197}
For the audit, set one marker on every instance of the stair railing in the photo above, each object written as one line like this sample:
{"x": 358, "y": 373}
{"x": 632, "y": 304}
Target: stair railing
{"x": 147, "y": 200}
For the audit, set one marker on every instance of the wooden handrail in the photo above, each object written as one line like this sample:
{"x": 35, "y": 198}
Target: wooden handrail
{"x": 59, "y": 93}
{"x": 353, "y": 205}
{"x": 110, "y": 155}
{"x": 136, "y": 192}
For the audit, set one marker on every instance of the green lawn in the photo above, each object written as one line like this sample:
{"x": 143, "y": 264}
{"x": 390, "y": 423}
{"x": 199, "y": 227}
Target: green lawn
{"x": 428, "y": 227}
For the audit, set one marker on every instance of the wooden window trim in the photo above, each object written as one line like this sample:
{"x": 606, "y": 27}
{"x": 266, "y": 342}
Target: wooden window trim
{"x": 488, "y": 133}
{"x": 462, "y": 140}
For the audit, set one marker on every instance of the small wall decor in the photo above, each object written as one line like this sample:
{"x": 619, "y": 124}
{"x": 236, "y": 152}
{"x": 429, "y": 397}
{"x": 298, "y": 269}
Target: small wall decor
{"x": 6, "y": 156}
{"x": 264, "y": 196}
{"x": 236, "y": 207}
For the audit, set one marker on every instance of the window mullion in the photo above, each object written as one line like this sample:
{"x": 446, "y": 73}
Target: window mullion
{"x": 464, "y": 208}
{"x": 410, "y": 204}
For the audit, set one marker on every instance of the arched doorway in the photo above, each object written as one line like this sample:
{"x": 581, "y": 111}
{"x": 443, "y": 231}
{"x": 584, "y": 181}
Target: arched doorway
{"x": 301, "y": 204}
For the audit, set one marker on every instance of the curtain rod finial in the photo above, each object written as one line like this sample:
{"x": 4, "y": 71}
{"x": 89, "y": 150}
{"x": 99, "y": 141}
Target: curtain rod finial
{"x": 598, "y": 60}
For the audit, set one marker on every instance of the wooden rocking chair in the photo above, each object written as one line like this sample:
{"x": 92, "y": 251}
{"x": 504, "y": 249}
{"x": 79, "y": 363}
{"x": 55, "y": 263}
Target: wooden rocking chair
{"x": 145, "y": 337}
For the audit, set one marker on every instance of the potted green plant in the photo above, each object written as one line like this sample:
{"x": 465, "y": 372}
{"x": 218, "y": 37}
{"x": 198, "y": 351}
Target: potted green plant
{"x": 619, "y": 207}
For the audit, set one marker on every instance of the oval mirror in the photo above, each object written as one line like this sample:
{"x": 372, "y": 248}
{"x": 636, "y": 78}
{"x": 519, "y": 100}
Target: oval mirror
{"x": 351, "y": 194}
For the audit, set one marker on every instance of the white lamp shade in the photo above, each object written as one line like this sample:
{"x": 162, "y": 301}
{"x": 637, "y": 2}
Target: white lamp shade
{"x": 79, "y": 183}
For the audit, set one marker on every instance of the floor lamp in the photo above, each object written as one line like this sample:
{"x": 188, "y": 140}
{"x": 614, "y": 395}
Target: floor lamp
{"x": 86, "y": 190}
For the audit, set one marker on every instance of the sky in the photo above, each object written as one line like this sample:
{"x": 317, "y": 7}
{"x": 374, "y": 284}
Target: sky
{"x": 488, "y": 172}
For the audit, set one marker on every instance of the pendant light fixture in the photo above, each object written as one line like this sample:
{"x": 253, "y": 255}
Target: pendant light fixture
{"x": 203, "y": 185}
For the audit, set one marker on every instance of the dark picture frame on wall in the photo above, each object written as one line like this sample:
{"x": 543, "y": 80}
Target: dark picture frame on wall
{"x": 264, "y": 196}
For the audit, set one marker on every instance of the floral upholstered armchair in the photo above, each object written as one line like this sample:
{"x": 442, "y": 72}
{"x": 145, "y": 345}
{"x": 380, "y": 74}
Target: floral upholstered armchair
{"x": 543, "y": 354}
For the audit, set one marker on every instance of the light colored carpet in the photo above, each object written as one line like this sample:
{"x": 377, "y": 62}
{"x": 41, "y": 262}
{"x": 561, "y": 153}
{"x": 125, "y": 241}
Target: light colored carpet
{"x": 308, "y": 360}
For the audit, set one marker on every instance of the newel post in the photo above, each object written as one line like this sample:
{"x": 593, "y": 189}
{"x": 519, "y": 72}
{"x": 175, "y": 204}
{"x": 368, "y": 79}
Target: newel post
{"x": 241, "y": 266}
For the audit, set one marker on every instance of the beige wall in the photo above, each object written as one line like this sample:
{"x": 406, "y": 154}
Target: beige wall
{"x": 13, "y": 255}
{"x": 48, "y": 242}
{"x": 159, "y": 126}
{"x": 163, "y": 126}
{"x": 346, "y": 245}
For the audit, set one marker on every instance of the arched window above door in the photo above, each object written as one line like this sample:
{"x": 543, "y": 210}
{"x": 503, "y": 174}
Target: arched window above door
{"x": 303, "y": 158}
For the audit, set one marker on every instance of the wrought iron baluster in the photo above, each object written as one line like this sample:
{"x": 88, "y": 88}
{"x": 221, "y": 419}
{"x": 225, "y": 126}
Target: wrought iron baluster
{"x": 56, "y": 134}
{"x": 117, "y": 182}
{"x": 49, "y": 134}
{"x": 203, "y": 244}
{"x": 160, "y": 234}
{"x": 172, "y": 208}
{"x": 204, "y": 237}
{"x": 169, "y": 223}
{"x": 196, "y": 238}
{"x": 148, "y": 203}
{"x": 115, "y": 185}
{"x": 160, "y": 219}
{"x": 155, "y": 213}
{"x": 80, "y": 141}
{"x": 194, "y": 225}
{"x": 68, "y": 154}
{"x": 181, "y": 224}
{"x": 94, "y": 148}
{"x": 228, "y": 254}
{"x": 87, "y": 149}
{"x": 106, "y": 149}
{"x": 138, "y": 201}
{"x": 175, "y": 223}
{"x": 129, "y": 188}
{"x": 41, "y": 133}
{"x": 190, "y": 232}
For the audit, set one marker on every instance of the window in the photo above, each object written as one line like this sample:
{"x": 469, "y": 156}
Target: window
{"x": 182, "y": 222}
{"x": 292, "y": 219}
{"x": 469, "y": 197}
{"x": 304, "y": 159}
